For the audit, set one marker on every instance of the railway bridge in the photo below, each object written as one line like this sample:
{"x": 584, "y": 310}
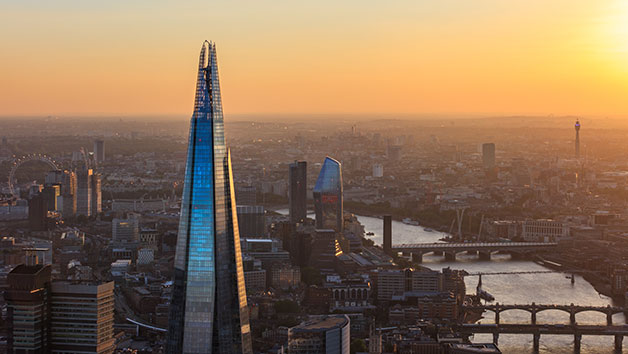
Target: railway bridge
{"x": 618, "y": 332}
{"x": 484, "y": 249}
{"x": 533, "y": 309}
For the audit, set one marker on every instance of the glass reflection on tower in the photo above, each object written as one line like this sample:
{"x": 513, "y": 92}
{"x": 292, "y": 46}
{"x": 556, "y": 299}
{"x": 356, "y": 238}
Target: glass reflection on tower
{"x": 208, "y": 311}
{"x": 328, "y": 196}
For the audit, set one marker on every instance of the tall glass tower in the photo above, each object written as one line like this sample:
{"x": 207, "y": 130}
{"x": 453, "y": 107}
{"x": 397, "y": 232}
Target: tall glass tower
{"x": 328, "y": 196}
{"x": 208, "y": 311}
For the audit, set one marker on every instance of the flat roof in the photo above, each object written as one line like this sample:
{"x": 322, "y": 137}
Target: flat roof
{"x": 320, "y": 324}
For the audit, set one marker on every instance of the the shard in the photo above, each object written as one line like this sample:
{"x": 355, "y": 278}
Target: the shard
{"x": 208, "y": 311}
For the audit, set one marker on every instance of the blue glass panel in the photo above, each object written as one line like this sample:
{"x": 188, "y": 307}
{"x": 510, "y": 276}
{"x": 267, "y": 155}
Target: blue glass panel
{"x": 208, "y": 309}
{"x": 328, "y": 196}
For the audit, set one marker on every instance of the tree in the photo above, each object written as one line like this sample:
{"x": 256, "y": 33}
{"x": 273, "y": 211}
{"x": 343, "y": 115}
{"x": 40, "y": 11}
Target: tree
{"x": 357, "y": 345}
{"x": 286, "y": 306}
{"x": 311, "y": 276}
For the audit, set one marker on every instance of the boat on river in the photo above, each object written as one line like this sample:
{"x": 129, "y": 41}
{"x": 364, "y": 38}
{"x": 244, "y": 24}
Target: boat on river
{"x": 409, "y": 221}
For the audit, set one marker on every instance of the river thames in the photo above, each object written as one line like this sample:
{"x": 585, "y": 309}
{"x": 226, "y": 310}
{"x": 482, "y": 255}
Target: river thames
{"x": 553, "y": 288}
{"x": 549, "y": 288}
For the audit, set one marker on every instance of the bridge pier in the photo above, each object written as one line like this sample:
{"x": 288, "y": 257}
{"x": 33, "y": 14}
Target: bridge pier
{"x": 417, "y": 257}
{"x": 577, "y": 343}
{"x": 496, "y": 338}
{"x": 533, "y": 318}
{"x": 450, "y": 256}
{"x": 618, "y": 343}
{"x": 485, "y": 255}
{"x": 572, "y": 315}
{"x": 496, "y": 317}
{"x": 609, "y": 318}
{"x": 536, "y": 341}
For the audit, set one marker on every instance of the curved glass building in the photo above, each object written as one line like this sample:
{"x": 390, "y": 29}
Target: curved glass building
{"x": 208, "y": 311}
{"x": 328, "y": 196}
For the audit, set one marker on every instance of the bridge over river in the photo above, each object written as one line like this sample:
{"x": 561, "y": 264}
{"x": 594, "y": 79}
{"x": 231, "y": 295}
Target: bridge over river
{"x": 538, "y": 329}
{"x": 484, "y": 249}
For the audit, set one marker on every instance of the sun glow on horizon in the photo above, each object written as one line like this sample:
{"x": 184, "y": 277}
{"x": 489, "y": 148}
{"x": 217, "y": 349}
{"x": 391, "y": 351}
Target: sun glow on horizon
{"x": 614, "y": 33}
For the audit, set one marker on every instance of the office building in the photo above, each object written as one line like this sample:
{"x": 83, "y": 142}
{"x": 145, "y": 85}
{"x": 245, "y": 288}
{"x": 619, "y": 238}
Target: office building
{"x": 544, "y": 230}
{"x": 66, "y": 200}
{"x": 324, "y": 250}
{"x": 81, "y": 317}
{"x": 208, "y": 311}
{"x": 38, "y": 213}
{"x": 321, "y": 334}
{"x": 68, "y": 193}
{"x": 28, "y": 309}
{"x": 396, "y": 283}
{"x": 99, "y": 151}
{"x": 57, "y": 317}
{"x": 387, "y": 244}
{"x": 246, "y": 195}
{"x": 285, "y": 277}
{"x": 298, "y": 191}
{"x": 488, "y": 156}
{"x": 328, "y": 196}
{"x": 251, "y": 220}
{"x": 84, "y": 192}
{"x": 126, "y": 230}
{"x": 255, "y": 280}
{"x": 96, "y": 194}
{"x": 51, "y": 194}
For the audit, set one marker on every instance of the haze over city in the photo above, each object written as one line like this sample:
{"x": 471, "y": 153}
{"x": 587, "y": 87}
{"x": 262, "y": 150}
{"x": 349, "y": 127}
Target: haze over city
{"x": 287, "y": 177}
{"x": 486, "y": 57}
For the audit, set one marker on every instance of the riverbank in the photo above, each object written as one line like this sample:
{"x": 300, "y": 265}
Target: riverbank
{"x": 600, "y": 285}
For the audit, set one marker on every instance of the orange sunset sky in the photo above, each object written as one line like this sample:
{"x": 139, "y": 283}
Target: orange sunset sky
{"x": 293, "y": 57}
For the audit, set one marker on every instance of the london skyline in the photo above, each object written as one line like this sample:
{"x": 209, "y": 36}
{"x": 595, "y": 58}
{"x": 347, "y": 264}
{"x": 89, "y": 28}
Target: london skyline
{"x": 450, "y": 57}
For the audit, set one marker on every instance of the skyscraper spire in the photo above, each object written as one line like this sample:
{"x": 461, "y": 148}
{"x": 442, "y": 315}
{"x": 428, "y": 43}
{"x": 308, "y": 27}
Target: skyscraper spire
{"x": 208, "y": 311}
{"x": 577, "y": 126}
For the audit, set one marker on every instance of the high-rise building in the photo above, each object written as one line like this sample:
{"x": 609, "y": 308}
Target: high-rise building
{"x": 208, "y": 310}
{"x": 68, "y": 194}
{"x": 488, "y": 155}
{"x": 38, "y": 213}
{"x": 125, "y": 230}
{"x": 51, "y": 193}
{"x": 298, "y": 191}
{"x": 577, "y": 126}
{"x": 66, "y": 201}
{"x": 28, "y": 309}
{"x": 321, "y": 334}
{"x": 251, "y": 220}
{"x": 81, "y": 317}
{"x": 387, "y": 244}
{"x": 84, "y": 192}
{"x": 46, "y": 316}
{"x": 99, "y": 151}
{"x": 96, "y": 194}
{"x": 328, "y": 196}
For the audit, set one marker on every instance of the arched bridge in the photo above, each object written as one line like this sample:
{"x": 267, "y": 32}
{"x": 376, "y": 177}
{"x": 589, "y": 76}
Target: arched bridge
{"x": 417, "y": 250}
{"x": 533, "y": 309}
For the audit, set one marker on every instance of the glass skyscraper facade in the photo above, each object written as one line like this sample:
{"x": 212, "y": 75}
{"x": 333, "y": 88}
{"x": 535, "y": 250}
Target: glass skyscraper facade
{"x": 328, "y": 196}
{"x": 208, "y": 311}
